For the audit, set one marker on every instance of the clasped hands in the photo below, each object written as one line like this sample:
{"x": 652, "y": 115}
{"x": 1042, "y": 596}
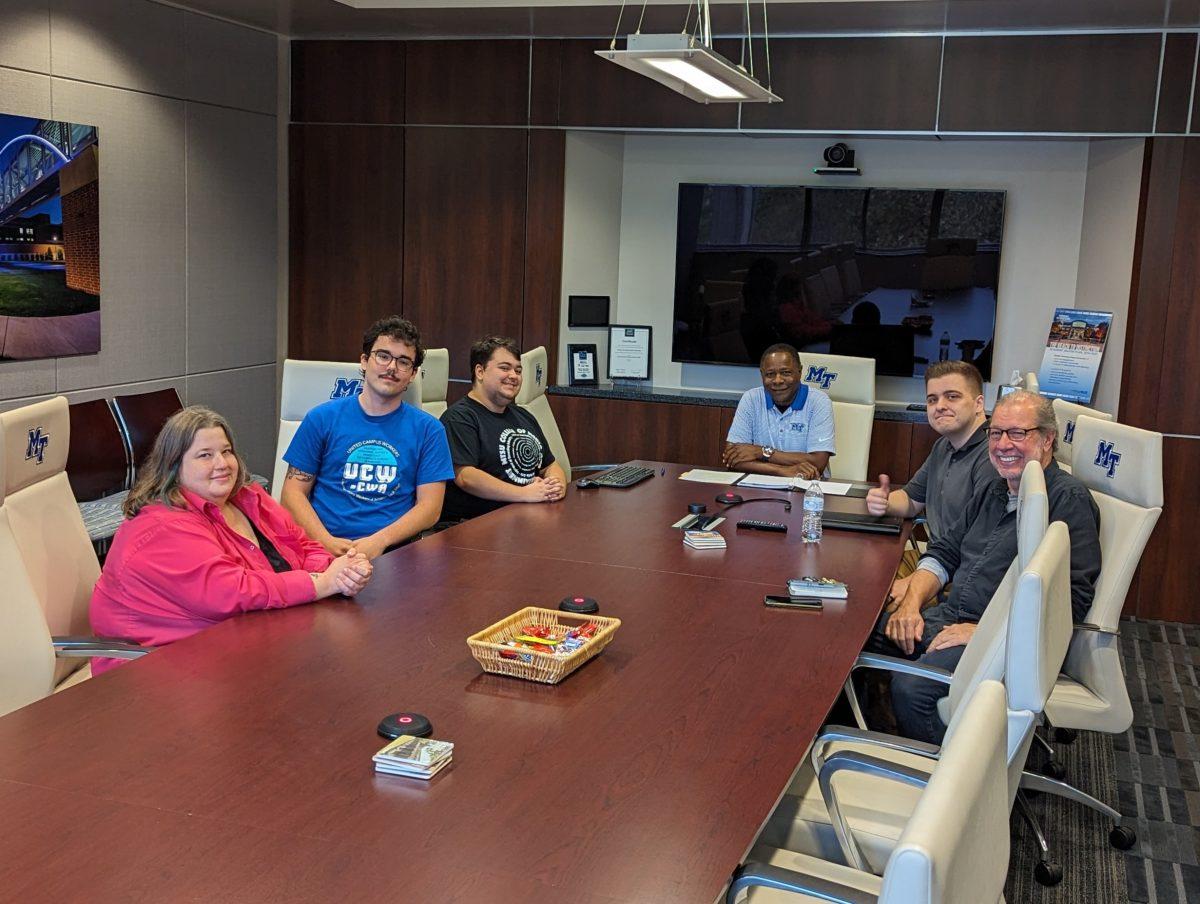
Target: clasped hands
{"x": 544, "y": 489}
{"x": 906, "y": 625}
{"x": 737, "y": 454}
{"x": 348, "y": 573}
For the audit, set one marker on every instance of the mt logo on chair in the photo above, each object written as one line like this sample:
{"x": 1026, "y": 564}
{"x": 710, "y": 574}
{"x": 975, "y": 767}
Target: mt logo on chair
{"x": 1105, "y": 457}
{"x": 820, "y": 375}
{"x": 38, "y": 441}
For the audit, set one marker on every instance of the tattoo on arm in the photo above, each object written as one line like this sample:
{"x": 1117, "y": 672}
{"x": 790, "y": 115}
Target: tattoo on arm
{"x": 297, "y": 474}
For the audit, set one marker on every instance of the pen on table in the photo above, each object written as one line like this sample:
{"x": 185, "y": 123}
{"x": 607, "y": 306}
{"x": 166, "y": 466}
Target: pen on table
{"x": 662, "y": 472}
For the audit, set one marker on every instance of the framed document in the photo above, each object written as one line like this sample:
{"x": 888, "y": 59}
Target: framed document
{"x": 628, "y": 352}
{"x": 583, "y": 364}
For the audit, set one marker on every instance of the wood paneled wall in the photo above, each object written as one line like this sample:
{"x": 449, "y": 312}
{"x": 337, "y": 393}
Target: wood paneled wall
{"x": 397, "y": 208}
{"x": 1159, "y": 390}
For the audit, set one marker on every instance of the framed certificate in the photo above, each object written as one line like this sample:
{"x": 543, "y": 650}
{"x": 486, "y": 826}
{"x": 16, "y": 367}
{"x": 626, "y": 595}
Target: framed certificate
{"x": 628, "y": 352}
{"x": 583, "y": 364}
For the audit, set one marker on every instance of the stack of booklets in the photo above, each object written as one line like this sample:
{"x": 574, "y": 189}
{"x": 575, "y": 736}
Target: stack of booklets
{"x": 703, "y": 539}
{"x": 824, "y": 588}
{"x": 414, "y": 757}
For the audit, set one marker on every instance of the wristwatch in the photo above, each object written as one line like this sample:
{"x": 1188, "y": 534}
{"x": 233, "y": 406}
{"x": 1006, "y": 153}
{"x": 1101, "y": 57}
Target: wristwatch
{"x": 767, "y": 452}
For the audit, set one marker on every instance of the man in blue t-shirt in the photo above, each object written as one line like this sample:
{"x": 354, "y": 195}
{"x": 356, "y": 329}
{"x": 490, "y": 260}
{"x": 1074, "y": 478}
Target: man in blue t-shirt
{"x": 368, "y": 472}
{"x": 783, "y": 427}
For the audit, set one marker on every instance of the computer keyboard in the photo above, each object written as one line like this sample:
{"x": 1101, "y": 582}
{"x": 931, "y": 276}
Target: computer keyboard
{"x": 624, "y": 476}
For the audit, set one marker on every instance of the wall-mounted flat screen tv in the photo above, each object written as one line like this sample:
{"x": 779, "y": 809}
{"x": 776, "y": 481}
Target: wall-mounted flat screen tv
{"x": 904, "y": 276}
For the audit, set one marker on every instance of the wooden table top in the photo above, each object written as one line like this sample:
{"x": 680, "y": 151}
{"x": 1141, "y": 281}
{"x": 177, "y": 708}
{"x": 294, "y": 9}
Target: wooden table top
{"x": 236, "y": 765}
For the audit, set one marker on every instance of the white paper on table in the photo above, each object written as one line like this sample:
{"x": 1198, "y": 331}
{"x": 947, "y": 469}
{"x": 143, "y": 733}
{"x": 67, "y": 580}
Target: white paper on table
{"x": 829, "y": 488}
{"x": 699, "y": 475}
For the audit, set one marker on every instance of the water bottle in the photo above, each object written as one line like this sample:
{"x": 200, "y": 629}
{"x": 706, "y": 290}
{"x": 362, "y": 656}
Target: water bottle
{"x": 944, "y": 346}
{"x": 814, "y": 508}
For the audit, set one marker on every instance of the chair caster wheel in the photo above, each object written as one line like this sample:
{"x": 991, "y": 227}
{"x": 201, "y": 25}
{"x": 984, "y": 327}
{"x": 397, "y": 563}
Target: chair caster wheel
{"x": 1054, "y": 769}
{"x": 1065, "y": 735}
{"x": 1048, "y": 872}
{"x": 1122, "y": 837}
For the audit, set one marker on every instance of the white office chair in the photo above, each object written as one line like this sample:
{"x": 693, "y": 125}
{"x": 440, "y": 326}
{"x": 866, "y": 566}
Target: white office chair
{"x": 1122, "y": 466}
{"x": 26, "y": 656}
{"x": 1021, "y": 639}
{"x": 49, "y": 531}
{"x": 433, "y": 381}
{"x": 850, "y": 385}
{"x": 953, "y": 847}
{"x": 1066, "y": 413}
{"x": 535, "y": 377}
{"x": 58, "y": 563}
{"x": 306, "y": 384}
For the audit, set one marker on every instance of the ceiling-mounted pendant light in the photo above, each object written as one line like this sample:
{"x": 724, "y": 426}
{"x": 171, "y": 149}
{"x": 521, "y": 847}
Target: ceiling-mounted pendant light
{"x": 688, "y": 64}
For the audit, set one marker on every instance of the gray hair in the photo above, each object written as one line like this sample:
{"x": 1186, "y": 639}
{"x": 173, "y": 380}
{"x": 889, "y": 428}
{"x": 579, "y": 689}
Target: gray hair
{"x": 1043, "y": 411}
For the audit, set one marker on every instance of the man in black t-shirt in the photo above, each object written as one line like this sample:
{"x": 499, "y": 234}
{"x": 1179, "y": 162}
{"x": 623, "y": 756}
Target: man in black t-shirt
{"x": 500, "y": 454}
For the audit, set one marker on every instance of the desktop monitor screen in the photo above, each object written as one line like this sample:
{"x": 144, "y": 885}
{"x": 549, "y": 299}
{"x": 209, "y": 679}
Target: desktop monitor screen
{"x": 905, "y": 276}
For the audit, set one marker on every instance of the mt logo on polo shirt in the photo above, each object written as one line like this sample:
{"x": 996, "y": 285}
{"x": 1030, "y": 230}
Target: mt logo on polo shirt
{"x": 370, "y": 470}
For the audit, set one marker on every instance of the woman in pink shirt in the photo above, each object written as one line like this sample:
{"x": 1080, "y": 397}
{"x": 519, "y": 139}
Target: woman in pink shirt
{"x": 202, "y": 543}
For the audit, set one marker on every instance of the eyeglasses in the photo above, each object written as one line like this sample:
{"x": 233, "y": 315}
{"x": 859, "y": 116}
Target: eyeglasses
{"x": 386, "y": 359}
{"x": 1016, "y": 434}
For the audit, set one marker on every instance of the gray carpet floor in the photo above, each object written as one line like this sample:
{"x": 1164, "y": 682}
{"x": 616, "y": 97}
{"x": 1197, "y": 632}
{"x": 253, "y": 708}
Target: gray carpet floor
{"x": 1158, "y": 760}
{"x": 1151, "y": 773}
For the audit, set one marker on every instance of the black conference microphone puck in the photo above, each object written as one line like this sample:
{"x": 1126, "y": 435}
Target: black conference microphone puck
{"x": 579, "y": 605}
{"x": 729, "y": 499}
{"x": 397, "y": 724}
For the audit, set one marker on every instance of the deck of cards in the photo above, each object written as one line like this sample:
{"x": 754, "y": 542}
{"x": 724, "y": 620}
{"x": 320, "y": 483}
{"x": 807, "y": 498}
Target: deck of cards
{"x": 415, "y": 757}
{"x": 703, "y": 539}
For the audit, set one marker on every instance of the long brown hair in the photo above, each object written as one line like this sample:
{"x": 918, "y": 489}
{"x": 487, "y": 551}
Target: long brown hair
{"x": 158, "y": 478}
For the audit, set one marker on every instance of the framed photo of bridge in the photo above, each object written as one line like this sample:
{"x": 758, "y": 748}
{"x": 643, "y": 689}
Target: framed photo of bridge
{"x": 49, "y": 238}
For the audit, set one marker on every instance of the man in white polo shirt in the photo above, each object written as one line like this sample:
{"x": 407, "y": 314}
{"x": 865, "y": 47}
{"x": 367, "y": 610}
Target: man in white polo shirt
{"x": 784, "y": 427}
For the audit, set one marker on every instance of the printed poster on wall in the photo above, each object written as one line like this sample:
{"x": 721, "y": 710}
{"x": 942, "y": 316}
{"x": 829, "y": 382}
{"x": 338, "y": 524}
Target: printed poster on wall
{"x": 49, "y": 238}
{"x": 1074, "y": 350}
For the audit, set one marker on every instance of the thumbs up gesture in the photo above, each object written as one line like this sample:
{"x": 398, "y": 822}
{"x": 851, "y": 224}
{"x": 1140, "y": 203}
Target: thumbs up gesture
{"x": 877, "y": 497}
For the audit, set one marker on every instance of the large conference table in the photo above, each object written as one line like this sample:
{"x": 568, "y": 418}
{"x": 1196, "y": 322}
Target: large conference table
{"x": 236, "y": 766}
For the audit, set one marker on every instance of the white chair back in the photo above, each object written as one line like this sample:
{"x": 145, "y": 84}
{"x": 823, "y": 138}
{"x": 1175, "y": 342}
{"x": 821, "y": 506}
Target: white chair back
{"x": 1033, "y": 512}
{"x": 535, "y": 377}
{"x": 850, "y": 384}
{"x": 45, "y": 521}
{"x": 26, "y": 656}
{"x": 1122, "y": 466}
{"x": 1039, "y": 631}
{"x": 306, "y": 384}
{"x": 955, "y": 847}
{"x": 1067, "y": 413}
{"x": 433, "y": 381}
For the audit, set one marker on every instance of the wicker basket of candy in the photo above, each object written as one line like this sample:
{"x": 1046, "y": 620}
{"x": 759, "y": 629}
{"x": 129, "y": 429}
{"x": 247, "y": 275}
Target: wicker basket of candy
{"x": 543, "y": 645}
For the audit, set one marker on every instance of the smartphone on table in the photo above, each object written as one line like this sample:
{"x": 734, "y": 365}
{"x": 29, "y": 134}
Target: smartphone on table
{"x": 782, "y": 601}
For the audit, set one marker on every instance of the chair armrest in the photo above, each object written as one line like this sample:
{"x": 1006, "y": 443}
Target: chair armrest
{"x": 833, "y": 734}
{"x": 1096, "y": 629}
{"x": 902, "y": 666}
{"x": 778, "y": 877}
{"x": 86, "y": 647}
{"x": 852, "y": 761}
